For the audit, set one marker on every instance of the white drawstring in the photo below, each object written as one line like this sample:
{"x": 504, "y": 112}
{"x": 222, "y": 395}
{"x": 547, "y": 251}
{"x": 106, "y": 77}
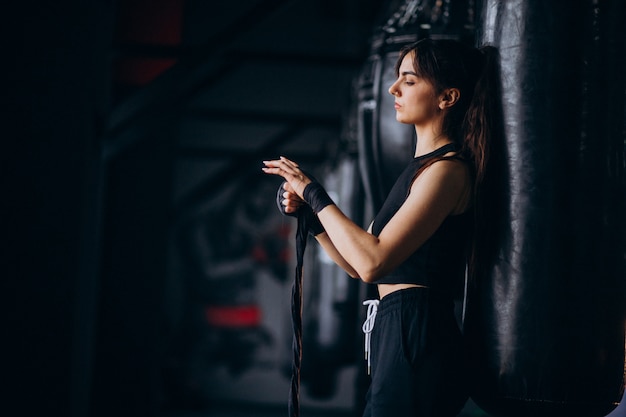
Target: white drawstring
{"x": 368, "y": 326}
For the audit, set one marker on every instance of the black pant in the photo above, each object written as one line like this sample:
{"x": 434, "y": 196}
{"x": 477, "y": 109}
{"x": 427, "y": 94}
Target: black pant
{"x": 417, "y": 357}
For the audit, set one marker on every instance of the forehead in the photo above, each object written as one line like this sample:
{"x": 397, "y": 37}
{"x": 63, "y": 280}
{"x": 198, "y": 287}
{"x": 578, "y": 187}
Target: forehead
{"x": 407, "y": 63}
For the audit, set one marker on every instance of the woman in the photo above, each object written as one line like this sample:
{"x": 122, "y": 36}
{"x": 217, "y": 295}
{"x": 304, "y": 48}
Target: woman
{"x": 416, "y": 249}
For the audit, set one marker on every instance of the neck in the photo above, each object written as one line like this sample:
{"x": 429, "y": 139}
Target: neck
{"x": 428, "y": 140}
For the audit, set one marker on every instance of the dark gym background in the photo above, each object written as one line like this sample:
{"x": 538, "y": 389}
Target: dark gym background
{"x": 145, "y": 269}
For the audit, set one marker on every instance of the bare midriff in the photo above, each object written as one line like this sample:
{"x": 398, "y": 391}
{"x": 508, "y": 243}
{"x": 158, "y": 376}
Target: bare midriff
{"x": 386, "y": 289}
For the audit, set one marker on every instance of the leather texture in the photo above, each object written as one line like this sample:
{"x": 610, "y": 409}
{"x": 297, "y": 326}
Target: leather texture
{"x": 545, "y": 323}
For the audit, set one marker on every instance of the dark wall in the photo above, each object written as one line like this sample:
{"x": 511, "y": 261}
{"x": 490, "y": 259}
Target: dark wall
{"x": 56, "y": 93}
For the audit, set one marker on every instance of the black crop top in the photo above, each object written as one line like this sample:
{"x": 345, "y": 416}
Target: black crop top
{"x": 440, "y": 262}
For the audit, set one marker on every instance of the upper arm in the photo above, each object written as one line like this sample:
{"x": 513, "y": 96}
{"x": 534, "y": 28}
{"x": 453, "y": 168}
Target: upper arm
{"x": 434, "y": 195}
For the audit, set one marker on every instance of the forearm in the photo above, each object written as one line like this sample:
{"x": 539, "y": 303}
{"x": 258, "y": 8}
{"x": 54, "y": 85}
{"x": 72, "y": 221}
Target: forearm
{"x": 326, "y": 244}
{"x": 355, "y": 246}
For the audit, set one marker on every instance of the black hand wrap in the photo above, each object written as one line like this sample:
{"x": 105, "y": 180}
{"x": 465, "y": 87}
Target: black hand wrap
{"x": 315, "y": 227}
{"x": 315, "y": 195}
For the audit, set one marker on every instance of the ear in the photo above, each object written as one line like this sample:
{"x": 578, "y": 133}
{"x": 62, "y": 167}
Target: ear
{"x": 449, "y": 98}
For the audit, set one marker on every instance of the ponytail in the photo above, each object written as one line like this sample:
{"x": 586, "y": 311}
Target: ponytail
{"x": 483, "y": 140}
{"x": 483, "y": 113}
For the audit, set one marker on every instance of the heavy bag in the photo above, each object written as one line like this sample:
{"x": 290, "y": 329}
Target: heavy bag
{"x": 545, "y": 319}
{"x": 385, "y": 146}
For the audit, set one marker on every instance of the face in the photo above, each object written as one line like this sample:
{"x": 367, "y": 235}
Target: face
{"x": 416, "y": 101}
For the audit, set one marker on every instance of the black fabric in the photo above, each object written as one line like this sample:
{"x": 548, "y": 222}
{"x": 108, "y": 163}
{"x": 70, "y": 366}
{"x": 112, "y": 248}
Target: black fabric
{"x": 316, "y": 196}
{"x": 296, "y": 316}
{"x": 418, "y": 365}
{"x": 440, "y": 262}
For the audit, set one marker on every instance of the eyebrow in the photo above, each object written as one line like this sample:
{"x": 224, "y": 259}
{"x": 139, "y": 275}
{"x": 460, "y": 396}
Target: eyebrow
{"x": 409, "y": 73}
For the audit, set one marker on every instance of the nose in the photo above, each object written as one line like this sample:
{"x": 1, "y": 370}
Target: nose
{"x": 393, "y": 90}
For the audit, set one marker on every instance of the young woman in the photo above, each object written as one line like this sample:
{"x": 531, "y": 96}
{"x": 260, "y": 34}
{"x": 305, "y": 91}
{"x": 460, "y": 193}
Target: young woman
{"x": 417, "y": 247}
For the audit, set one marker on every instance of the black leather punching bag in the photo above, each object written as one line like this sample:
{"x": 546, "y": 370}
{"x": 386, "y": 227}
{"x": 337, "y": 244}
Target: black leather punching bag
{"x": 545, "y": 321}
{"x": 385, "y": 146}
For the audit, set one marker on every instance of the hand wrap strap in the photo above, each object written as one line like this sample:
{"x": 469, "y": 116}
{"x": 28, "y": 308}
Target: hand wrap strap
{"x": 307, "y": 223}
{"x": 316, "y": 196}
{"x": 293, "y": 404}
{"x": 315, "y": 227}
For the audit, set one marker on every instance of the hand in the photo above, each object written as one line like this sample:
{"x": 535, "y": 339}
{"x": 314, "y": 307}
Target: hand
{"x": 288, "y": 201}
{"x": 291, "y": 172}
{"x": 290, "y": 204}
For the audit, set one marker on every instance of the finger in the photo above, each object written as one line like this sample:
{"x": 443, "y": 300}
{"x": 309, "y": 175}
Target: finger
{"x": 279, "y": 168}
{"x": 293, "y": 169}
{"x": 275, "y": 163}
{"x": 282, "y": 168}
{"x": 289, "y": 161}
{"x": 291, "y": 207}
{"x": 292, "y": 196}
{"x": 289, "y": 188}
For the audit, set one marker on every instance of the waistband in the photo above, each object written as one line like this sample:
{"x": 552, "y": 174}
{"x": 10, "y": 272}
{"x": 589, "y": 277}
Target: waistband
{"x": 406, "y": 294}
{"x": 395, "y": 300}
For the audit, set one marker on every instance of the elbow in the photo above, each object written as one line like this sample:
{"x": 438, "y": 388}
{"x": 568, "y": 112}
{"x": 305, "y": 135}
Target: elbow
{"x": 369, "y": 278}
{"x": 371, "y": 274}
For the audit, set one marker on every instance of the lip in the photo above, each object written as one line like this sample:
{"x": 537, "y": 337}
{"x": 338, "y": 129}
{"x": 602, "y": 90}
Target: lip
{"x": 396, "y": 106}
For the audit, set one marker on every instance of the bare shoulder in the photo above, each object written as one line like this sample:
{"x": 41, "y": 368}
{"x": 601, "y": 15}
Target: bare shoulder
{"x": 447, "y": 172}
{"x": 446, "y": 184}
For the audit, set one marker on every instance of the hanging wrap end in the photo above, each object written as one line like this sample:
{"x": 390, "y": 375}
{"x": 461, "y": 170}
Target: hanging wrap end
{"x": 296, "y": 314}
